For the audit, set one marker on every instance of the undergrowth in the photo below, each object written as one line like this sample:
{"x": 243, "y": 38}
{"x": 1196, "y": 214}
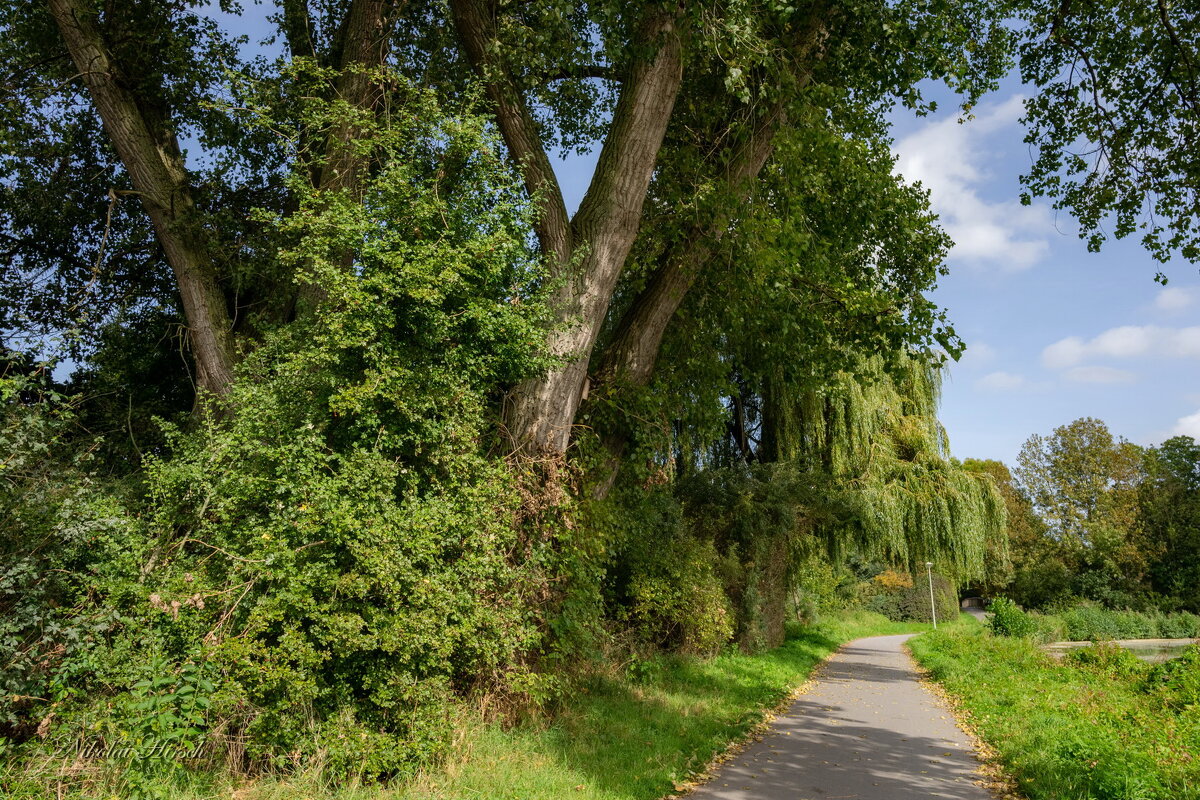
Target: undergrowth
{"x": 641, "y": 730}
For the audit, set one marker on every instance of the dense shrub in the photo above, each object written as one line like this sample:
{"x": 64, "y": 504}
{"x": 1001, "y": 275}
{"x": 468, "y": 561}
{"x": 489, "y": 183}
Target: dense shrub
{"x": 1106, "y": 658}
{"x": 1176, "y": 682}
{"x": 1093, "y": 623}
{"x": 665, "y": 583}
{"x": 64, "y": 535}
{"x": 1182, "y": 625}
{"x": 316, "y": 573}
{"x": 901, "y": 598}
{"x": 1007, "y": 619}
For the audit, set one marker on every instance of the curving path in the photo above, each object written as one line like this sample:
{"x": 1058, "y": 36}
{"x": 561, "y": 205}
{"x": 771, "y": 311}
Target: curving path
{"x": 867, "y": 730}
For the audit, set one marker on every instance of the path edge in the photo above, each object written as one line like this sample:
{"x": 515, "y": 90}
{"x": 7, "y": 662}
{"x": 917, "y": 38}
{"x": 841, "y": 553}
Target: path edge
{"x": 996, "y": 779}
{"x": 698, "y": 778}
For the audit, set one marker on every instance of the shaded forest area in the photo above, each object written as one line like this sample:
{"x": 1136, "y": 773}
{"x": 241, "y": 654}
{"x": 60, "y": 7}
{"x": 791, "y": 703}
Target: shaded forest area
{"x": 323, "y": 419}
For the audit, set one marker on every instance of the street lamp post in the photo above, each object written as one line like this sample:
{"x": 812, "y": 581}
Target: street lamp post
{"x": 932, "y": 604}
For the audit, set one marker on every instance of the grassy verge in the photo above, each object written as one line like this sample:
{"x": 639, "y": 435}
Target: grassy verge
{"x": 1065, "y": 731}
{"x": 618, "y": 738}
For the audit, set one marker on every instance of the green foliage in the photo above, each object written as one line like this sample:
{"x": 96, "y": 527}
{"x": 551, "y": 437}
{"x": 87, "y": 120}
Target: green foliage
{"x": 1065, "y": 730}
{"x": 1082, "y": 483}
{"x": 1009, "y": 620}
{"x": 1088, "y": 622}
{"x": 903, "y": 500}
{"x": 1176, "y": 682}
{"x": 673, "y": 596}
{"x": 354, "y": 549}
{"x": 1113, "y": 119}
{"x": 1168, "y": 526}
{"x": 905, "y": 598}
{"x": 64, "y": 538}
{"x": 319, "y": 572}
{"x": 1109, "y": 660}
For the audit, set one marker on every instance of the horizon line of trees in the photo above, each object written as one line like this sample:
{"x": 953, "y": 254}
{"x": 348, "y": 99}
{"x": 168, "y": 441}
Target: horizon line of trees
{"x": 1096, "y": 518}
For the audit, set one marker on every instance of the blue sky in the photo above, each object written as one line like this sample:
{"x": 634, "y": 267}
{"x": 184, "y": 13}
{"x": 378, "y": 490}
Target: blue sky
{"x": 1054, "y": 332}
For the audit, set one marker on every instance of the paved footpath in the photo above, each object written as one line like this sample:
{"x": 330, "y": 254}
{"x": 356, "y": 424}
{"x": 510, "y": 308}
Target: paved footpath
{"x": 867, "y": 730}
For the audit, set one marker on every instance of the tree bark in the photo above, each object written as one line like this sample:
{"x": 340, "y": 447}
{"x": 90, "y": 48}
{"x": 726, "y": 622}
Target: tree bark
{"x": 475, "y": 23}
{"x": 365, "y": 46}
{"x": 588, "y": 252}
{"x": 152, "y": 158}
{"x": 630, "y": 358}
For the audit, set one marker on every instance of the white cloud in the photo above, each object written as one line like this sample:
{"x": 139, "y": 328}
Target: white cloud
{"x": 1099, "y": 375}
{"x": 1001, "y": 382}
{"x": 1127, "y": 341}
{"x": 949, "y": 158}
{"x": 978, "y": 354}
{"x": 1188, "y": 426}
{"x": 1174, "y": 298}
{"x": 1064, "y": 352}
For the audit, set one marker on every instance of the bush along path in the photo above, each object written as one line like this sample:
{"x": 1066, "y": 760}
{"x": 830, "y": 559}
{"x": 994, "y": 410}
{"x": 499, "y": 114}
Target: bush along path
{"x": 866, "y": 730}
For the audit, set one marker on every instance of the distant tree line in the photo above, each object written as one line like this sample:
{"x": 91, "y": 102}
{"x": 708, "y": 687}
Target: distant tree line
{"x": 1093, "y": 517}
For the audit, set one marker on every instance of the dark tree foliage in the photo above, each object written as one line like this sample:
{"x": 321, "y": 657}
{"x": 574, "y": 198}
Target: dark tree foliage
{"x": 1114, "y": 117}
{"x": 1169, "y": 520}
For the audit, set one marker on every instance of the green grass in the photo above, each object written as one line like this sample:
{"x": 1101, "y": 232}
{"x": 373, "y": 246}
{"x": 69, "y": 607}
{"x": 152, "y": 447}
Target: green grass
{"x": 617, "y": 738}
{"x": 1066, "y": 732}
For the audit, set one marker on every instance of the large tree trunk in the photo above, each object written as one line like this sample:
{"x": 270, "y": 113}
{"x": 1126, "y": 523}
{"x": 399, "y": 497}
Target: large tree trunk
{"x": 588, "y": 252}
{"x": 152, "y": 158}
{"x": 366, "y": 37}
{"x": 630, "y": 358}
{"x": 364, "y": 44}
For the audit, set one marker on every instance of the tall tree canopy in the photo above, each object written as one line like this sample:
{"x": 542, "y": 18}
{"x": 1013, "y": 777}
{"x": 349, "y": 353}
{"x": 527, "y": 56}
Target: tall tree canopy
{"x": 705, "y": 120}
{"x": 449, "y": 430}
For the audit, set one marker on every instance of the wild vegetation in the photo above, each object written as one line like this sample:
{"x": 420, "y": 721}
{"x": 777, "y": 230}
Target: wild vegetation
{"x": 1101, "y": 724}
{"x": 640, "y": 727}
{"x": 327, "y": 425}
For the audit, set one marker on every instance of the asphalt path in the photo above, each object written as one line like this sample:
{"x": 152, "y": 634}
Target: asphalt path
{"x": 867, "y": 730}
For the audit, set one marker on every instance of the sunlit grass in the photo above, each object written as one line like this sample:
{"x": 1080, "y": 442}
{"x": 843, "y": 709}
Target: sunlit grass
{"x": 1066, "y": 733}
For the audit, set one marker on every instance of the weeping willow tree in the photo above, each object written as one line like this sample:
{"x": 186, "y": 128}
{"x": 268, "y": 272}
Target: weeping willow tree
{"x": 875, "y": 435}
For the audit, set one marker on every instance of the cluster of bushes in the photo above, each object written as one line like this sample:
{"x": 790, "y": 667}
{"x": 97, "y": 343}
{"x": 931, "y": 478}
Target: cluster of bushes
{"x": 1091, "y": 623}
{"x": 902, "y": 598}
{"x": 277, "y": 588}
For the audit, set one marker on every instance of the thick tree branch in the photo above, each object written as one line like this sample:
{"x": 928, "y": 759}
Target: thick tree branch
{"x": 365, "y": 38}
{"x": 155, "y": 165}
{"x": 631, "y": 356}
{"x": 297, "y": 29}
{"x": 476, "y": 25}
{"x": 541, "y": 412}
{"x": 365, "y": 46}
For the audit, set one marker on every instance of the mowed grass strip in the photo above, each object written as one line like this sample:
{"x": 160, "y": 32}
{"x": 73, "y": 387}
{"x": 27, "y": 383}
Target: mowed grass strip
{"x": 1066, "y": 732}
{"x": 617, "y": 738}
